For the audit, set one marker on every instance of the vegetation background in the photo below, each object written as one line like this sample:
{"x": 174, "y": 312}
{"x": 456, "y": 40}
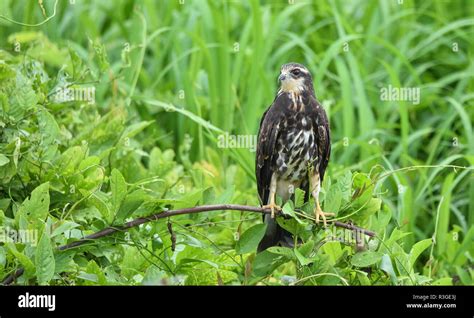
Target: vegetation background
{"x": 170, "y": 78}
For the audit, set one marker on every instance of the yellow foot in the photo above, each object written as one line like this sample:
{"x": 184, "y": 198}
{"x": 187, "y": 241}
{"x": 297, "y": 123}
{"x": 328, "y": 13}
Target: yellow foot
{"x": 272, "y": 207}
{"x": 319, "y": 213}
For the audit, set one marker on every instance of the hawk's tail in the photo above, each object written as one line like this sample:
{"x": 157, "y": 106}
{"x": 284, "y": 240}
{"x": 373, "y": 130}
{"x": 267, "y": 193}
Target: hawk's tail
{"x": 274, "y": 235}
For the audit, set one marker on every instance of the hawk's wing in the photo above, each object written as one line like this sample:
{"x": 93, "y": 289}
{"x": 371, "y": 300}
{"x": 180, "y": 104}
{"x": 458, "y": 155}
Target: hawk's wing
{"x": 323, "y": 140}
{"x": 266, "y": 144}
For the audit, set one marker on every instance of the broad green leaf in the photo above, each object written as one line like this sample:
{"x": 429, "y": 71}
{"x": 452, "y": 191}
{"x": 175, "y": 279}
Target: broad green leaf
{"x": 417, "y": 249}
{"x": 50, "y": 132}
{"x": 288, "y": 210}
{"x": 36, "y": 208}
{"x": 266, "y": 262}
{"x": 307, "y": 248}
{"x": 395, "y": 236}
{"x": 63, "y": 226}
{"x": 333, "y": 250}
{"x": 70, "y": 159}
{"x": 302, "y": 259}
{"x": 345, "y": 185}
{"x": 333, "y": 200}
{"x": 3, "y": 160}
{"x": 249, "y": 240}
{"x": 44, "y": 260}
{"x": 93, "y": 273}
{"x": 387, "y": 266}
{"x": 299, "y": 198}
{"x": 190, "y": 199}
{"x": 64, "y": 262}
{"x": 130, "y": 204}
{"x": 363, "y": 279}
{"x": 366, "y": 258}
{"x": 136, "y": 128}
{"x": 24, "y": 260}
{"x": 98, "y": 200}
{"x": 23, "y": 97}
{"x": 371, "y": 207}
{"x": 283, "y": 251}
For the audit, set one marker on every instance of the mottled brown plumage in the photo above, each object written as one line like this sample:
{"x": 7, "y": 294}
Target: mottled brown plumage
{"x": 293, "y": 147}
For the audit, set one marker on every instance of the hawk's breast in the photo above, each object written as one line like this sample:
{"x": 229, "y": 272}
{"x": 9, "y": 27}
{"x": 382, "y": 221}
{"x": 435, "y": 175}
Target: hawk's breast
{"x": 296, "y": 148}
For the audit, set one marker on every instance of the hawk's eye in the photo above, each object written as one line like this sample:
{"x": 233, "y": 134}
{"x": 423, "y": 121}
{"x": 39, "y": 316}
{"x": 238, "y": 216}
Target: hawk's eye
{"x": 296, "y": 72}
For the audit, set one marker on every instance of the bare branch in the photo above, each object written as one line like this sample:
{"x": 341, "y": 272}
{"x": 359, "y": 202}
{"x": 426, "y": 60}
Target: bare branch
{"x": 166, "y": 214}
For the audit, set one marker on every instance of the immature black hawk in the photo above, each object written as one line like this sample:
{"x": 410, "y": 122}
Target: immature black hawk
{"x": 293, "y": 149}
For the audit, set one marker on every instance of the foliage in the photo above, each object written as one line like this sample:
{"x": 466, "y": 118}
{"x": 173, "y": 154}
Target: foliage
{"x": 169, "y": 79}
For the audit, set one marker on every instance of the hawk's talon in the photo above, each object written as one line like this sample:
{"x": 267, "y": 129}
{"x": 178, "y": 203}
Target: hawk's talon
{"x": 272, "y": 207}
{"x": 319, "y": 213}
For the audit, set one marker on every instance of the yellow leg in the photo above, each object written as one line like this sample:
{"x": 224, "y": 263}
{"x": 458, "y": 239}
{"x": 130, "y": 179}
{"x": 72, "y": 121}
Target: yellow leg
{"x": 319, "y": 213}
{"x": 271, "y": 198}
{"x": 316, "y": 187}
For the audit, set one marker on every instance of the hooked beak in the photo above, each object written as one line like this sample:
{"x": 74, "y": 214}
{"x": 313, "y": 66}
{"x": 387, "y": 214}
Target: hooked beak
{"x": 281, "y": 78}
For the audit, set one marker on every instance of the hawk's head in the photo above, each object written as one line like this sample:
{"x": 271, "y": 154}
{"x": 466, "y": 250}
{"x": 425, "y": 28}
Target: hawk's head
{"x": 295, "y": 78}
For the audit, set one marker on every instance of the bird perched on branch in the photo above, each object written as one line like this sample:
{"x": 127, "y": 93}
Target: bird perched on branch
{"x": 293, "y": 149}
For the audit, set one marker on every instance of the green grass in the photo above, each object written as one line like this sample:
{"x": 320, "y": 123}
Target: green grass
{"x": 198, "y": 69}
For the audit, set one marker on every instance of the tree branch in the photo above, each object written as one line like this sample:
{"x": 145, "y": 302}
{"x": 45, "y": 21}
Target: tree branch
{"x": 161, "y": 215}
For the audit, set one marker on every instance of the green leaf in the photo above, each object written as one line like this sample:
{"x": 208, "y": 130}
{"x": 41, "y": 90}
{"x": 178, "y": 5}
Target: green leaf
{"x": 387, "y": 266}
{"x": 266, "y": 262}
{"x": 36, "y": 208}
{"x": 98, "y": 200}
{"x": 249, "y": 240}
{"x": 345, "y": 185}
{"x": 288, "y": 210}
{"x": 333, "y": 250}
{"x": 44, "y": 260}
{"x": 63, "y": 226}
{"x": 395, "y": 236}
{"x": 63, "y": 262}
{"x": 417, "y": 249}
{"x": 130, "y": 204}
{"x": 136, "y": 128}
{"x": 302, "y": 259}
{"x": 333, "y": 199}
{"x": 50, "y": 132}
{"x": 307, "y": 248}
{"x": 119, "y": 190}
{"x": 70, "y": 159}
{"x": 371, "y": 207}
{"x": 299, "y": 198}
{"x": 3, "y": 160}
{"x": 366, "y": 258}
{"x": 24, "y": 260}
{"x": 283, "y": 251}
{"x": 23, "y": 97}
{"x": 363, "y": 279}
{"x": 190, "y": 199}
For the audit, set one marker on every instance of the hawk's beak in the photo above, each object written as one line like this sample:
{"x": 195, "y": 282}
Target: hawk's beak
{"x": 281, "y": 78}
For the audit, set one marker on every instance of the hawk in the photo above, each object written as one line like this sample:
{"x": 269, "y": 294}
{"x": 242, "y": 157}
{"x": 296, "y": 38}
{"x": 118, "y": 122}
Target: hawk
{"x": 293, "y": 149}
